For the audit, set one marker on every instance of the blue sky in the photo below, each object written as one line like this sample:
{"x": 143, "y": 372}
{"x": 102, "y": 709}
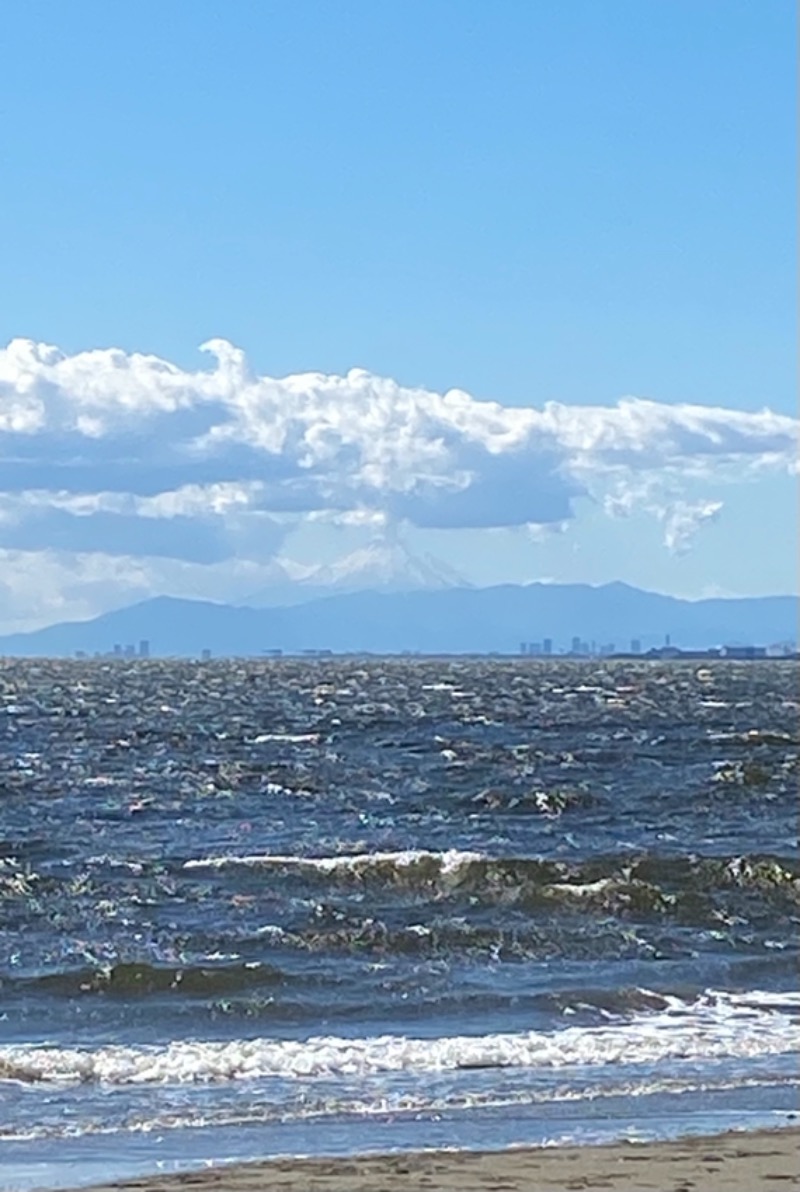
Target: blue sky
{"x": 528, "y": 201}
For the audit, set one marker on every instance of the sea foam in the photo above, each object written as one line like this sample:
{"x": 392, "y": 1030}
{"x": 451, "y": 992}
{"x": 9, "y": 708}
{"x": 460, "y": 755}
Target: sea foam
{"x": 714, "y": 1026}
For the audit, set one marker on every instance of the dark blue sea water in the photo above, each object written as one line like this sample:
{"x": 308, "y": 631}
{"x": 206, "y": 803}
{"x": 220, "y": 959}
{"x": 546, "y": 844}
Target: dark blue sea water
{"x": 255, "y": 908}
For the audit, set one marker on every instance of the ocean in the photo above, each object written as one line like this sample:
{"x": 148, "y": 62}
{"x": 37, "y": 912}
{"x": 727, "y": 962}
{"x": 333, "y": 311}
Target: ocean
{"x": 277, "y": 907}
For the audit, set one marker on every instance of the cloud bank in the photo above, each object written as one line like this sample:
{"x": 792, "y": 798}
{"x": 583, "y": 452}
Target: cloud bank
{"x": 130, "y": 456}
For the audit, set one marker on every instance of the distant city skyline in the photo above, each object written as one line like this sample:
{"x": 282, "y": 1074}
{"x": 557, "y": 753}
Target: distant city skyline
{"x": 576, "y": 620}
{"x": 485, "y": 295}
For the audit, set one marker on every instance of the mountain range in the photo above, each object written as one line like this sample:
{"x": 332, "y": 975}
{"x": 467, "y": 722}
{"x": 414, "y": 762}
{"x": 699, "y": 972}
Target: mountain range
{"x": 440, "y": 620}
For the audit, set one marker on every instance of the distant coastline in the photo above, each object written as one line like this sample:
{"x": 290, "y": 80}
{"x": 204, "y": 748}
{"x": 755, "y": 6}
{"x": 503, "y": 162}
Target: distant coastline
{"x": 536, "y": 620}
{"x": 754, "y": 654}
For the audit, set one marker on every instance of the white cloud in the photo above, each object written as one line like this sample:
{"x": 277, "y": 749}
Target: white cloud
{"x": 43, "y": 586}
{"x": 325, "y": 442}
{"x": 659, "y": 497}
{"x": 192, "y": 500}
{"x": 682, "y": 521}
{"x": 107, "y": 454}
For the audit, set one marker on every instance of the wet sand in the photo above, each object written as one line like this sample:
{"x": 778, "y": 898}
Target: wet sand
{"x": 735, "y": 1162}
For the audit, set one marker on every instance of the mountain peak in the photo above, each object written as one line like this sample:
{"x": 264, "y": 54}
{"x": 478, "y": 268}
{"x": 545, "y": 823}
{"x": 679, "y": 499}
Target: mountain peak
{"x": 383, "y": 565}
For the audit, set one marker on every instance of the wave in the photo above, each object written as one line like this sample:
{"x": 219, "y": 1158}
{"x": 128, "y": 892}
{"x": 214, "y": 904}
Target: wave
{"x": 129, "y": 980}
{"x": 647, "y": 882}
{"x": 741, "y": 870}
{"x": 715, "y": 1026}
{"x": 385, "y": 1103}
{"x": 410, "y": 863}
{"x": 528, "y": 939}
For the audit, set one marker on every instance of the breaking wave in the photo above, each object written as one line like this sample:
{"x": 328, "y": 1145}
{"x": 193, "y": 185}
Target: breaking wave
{"x": 639, "y": 882}
{"x": 714, "y": 1026}
{"x": 405, "y": 865}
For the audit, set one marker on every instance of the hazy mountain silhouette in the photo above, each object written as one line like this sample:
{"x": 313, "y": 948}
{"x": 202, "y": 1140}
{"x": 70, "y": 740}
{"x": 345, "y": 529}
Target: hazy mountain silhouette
{"x": 445, "y": 620}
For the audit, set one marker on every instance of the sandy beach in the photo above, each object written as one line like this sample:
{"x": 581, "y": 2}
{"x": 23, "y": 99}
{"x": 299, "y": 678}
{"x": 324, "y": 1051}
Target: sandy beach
{"x": 735, "y": 1162}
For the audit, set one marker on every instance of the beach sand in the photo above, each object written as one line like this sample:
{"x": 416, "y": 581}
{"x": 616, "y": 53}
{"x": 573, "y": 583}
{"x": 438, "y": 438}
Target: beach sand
{"x": 735, "y": 1162}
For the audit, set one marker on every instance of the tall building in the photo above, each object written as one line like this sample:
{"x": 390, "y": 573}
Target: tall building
{"x": 547, "y": 645}
{"x": 144, "y": 648}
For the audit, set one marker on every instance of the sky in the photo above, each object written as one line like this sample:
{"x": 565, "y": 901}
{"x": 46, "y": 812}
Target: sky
{"x": 511, "y": 284}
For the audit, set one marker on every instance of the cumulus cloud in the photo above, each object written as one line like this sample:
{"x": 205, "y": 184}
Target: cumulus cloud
{"x": 314, "y": 442}
{"x": 117, "y": 455}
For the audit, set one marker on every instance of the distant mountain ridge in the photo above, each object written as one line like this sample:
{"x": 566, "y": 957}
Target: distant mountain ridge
{"x": 446, "y": 620}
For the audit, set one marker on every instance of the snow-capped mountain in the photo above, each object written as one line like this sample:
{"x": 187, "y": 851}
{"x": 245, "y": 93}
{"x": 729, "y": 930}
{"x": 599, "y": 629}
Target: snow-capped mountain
{"x": 388, "y": 566}
{"x": 382, "y": 566}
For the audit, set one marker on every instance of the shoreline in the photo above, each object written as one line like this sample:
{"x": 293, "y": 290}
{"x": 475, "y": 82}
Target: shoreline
{"x": 736, "y": 1161}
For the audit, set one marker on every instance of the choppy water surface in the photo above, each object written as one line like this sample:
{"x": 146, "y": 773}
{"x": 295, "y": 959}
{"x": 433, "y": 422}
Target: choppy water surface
{"x": 260, "y": 907}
